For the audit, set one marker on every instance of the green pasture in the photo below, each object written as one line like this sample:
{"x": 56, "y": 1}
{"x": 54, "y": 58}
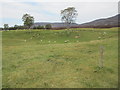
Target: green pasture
{"x": 59, "y": 58}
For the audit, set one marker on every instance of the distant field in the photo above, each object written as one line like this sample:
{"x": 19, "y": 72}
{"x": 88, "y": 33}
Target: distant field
{"x": 59, "y": 59}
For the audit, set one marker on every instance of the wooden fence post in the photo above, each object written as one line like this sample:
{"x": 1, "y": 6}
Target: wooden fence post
{"x": 101, "y": 60}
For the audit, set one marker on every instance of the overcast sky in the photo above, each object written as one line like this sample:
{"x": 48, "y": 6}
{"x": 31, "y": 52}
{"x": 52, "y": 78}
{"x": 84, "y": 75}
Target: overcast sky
{"x": 45, "y": 11}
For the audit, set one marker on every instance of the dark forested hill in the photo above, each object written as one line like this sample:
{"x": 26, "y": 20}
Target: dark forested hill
{"x": 106, "y": 22}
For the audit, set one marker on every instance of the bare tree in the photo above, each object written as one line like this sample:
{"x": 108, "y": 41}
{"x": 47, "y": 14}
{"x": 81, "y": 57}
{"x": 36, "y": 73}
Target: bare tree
{"x": 69, "y": 16}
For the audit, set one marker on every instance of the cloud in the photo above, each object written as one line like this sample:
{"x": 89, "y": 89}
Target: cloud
{"x": 50, "y": 11}
{"x": 87, "y": 11}
{"x": 15, "y": 10}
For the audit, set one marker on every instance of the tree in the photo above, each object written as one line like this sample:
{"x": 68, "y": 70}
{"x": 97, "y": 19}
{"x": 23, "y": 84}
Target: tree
{"x": 48, "y": 26}
{"x": 12, "y": 28}
{"x": 6, "y": 26}
{"x": 28, "y": 20}
{"x": 16, "y": 27}
{"x": 1, "y": 28}
{"x": 69, "y": 16}
{"x": 40, "y": 27}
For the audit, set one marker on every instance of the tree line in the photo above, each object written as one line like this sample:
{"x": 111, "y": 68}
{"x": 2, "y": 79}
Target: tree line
{"x": 16, "y": 27}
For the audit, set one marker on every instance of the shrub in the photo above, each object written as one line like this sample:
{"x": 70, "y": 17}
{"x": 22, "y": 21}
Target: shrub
{"x": 38, "y": 27}
{"x": 48, "y": 26}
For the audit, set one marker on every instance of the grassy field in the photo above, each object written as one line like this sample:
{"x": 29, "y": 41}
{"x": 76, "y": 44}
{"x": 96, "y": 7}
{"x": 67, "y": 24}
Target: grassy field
{"x": 59, "y": 59}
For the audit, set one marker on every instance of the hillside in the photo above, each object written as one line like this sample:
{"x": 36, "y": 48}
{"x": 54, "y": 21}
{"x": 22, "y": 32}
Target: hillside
{"x": 100, "y": 23}
{"x": 106, "y": 22}
{"x": 55, "y": 25}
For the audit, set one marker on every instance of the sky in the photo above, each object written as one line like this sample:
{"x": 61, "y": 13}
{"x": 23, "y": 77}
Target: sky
{"x": 11, "y": 11}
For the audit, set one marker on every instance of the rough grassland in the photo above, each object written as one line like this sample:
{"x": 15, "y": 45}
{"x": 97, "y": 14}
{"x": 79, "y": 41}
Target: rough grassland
{"x": 59, "y": 59}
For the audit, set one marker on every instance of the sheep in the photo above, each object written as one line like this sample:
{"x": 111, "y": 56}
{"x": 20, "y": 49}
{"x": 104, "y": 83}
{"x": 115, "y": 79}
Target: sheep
{"x": 99, "y": 37}
{"x": 25, "y": 40}
{"x": 104, "y": 33}
{"x": 66, "y": 41}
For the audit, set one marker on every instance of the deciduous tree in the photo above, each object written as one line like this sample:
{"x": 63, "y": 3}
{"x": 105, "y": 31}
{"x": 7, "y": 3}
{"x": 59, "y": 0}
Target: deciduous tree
{"x": 28, "y": 20}
{"x": 69, "y": 16}
{"x": 6, "y": 26}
